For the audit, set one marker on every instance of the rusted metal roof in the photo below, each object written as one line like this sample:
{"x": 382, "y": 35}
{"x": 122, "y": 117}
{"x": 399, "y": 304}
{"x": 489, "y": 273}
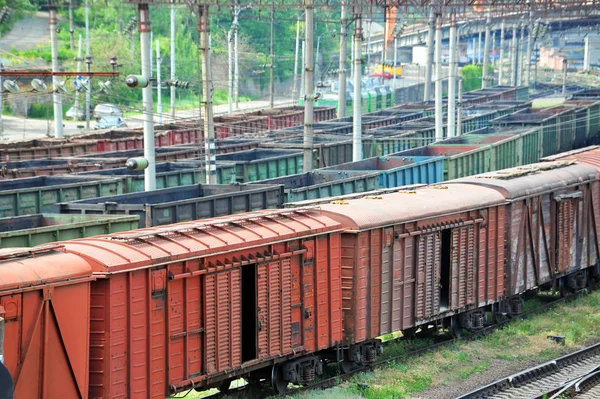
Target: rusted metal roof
{"x": 532, "y": 179}
{"x": 144, "y": 247}
{"x": 404, "y": 206}
{"x": 29, "y": 267}
{"x": 588, "y": 155}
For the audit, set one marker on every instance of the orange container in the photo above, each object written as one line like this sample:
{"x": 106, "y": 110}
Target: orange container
{"x": 45, "y": 301}
{"x": 196, "y": 304}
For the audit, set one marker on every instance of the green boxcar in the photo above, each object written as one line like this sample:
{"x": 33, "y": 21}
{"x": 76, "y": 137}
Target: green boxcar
{"x": 28, "y": 196}
{"x": 32, "y": 230}
{"x": 171, "y": 174}
{"x": 321, "y": 184}
{"x": 591, "y": 122}
{"x": 261, "y": 164}
{"x": 328, "y": 149}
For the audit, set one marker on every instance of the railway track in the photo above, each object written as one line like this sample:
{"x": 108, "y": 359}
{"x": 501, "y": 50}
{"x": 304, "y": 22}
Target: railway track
{"x": 573, "y": 375}
{"x": 243, "y": 391}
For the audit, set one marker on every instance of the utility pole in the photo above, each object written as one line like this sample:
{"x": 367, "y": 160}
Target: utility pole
{"x": 528, "y": 54}
{"x": 513, "y": 57}
{"x": 452, "y": 78}
{"x": 88, "y": 94}
{"x": 385, "y": 33}
{"x": 209, "y": 129}
{"x": 479, "y": 49}
{"x": 357, "y": 103}
{"x": 439, "y": 116}
{"x": 173, "y": 62}
{"x": 474, "y": 59}
{"x": 429, "y": 65}
{"x": 295, "y": 81}
{"x": 271, "y": 81}
{"x": 501, "y": 57}
{"x": 1, "y": 103}
{"x": 369, "y": 42}
{"x": 158, "y": 82}
{"x": 302, "y": 75}
{"x": 309, "y": 85}
{"x": 564, "y": 85}
{"x": 395, "y": 61}
{"x": 56, "y": 96}
{"x": 146, "y": 49}
{"x": 235, "y": 11}
{"x": 459, "y": 108}
{"x": 342, "y": 64}
{"x": 521, "y": 55}
{"x": 485, "y": 78}
{"x": 71, "y": 30}
{"x": 230, "y": 71}
{"x": 79, "y": 59}
{"x": 352, "y": 56}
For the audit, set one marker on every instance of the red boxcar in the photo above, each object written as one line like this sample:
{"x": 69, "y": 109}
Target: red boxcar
{"x": 195, "y": 305}
{"x": 551, "y": 238}
{"x": 45, "y": 302}
{"x": 413, "y": 257}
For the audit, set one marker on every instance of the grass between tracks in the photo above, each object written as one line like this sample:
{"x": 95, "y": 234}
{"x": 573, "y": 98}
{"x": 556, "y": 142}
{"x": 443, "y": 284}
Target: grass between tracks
{"x": 519, "y": 345}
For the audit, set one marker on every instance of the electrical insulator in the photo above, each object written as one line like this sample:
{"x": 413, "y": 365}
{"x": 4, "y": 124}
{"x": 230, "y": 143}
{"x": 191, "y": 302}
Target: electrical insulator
{"x": 137, "y": 81}
{"x": 178, "y": 83}
{"x": 136, "y": 163}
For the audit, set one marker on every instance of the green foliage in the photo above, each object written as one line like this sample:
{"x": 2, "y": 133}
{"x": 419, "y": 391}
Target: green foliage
{"x": 471, "y": 76}
{"x": 18, "y": 9}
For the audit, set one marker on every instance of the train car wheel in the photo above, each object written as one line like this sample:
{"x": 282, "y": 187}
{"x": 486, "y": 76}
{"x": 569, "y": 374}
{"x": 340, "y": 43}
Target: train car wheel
{"x": 278, "y": 382}
{"x": 497, "y": 315}
{"x": 455, "y": 327}
{"x": 346, "y": 366}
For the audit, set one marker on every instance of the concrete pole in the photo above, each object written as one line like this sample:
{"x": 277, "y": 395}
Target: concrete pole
{"x": 317, "y": 72}
{"x": 146, "y": 45}
{"x": 230, "y": 70}
{"x": 395, "y": 61}
{"x": 501, "y": 57}
{"x": 352, "y": 62}
{"x": 383, "y": 48}
{"x": 513, "y": 56}
{"x": 236, "y": 72}
{"x": 429, "y": 65}
{"x": 521, "y": 53}
{"x": 71, "y": 30}
{"x": 459, "y": 109}
{"x": 564, "y": 85}
{"x": 357, "y": 103}
{"x": 271, "y": 77}
{"x": 88, "y": 94}
{"x": 158, "y": 82}
{"x": 528, "y": 54}
{"x": 295, "y": 81}
{"x": 173, "y": 62}
{"x": 452, "y": 78}
{"x": 439, "y": 116}
{"x": 485, "y": 78}
{"x": 302, "y": 75}
{"x": 57, "y": 98}
{"x": 342, "y": 64}
{"x": 479, "y": 49}
{"x": 369, "y": 42}
{"x": 494, "y": 45}
{"x": 207, "y": 92}
{"x": 309, "y": 85}
{"x": 474, "y": 59}
{"x": 1, "y": 102}
{"x": 76, "y": 105}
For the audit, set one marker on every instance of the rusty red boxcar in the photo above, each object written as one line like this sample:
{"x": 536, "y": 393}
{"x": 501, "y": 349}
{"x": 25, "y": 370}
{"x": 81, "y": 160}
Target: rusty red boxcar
{"x": 551, "y": 237}
{"x": 45, "y": 302}
{"x": 413, "y": 257}
{"x": 197, "y": 304}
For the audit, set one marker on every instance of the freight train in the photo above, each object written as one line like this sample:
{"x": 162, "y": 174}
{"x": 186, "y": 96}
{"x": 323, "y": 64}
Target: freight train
{"x": 273, "y": 296}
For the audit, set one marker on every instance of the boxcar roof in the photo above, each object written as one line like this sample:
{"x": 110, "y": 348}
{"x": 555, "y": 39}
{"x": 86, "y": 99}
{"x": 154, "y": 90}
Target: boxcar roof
{"x": 171, "y": 243}
{"x": 29, "y": 267}
{"x": 589, "y": 155}
{"x": 405, "y": 206}
{"x": 532, "y": 179}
